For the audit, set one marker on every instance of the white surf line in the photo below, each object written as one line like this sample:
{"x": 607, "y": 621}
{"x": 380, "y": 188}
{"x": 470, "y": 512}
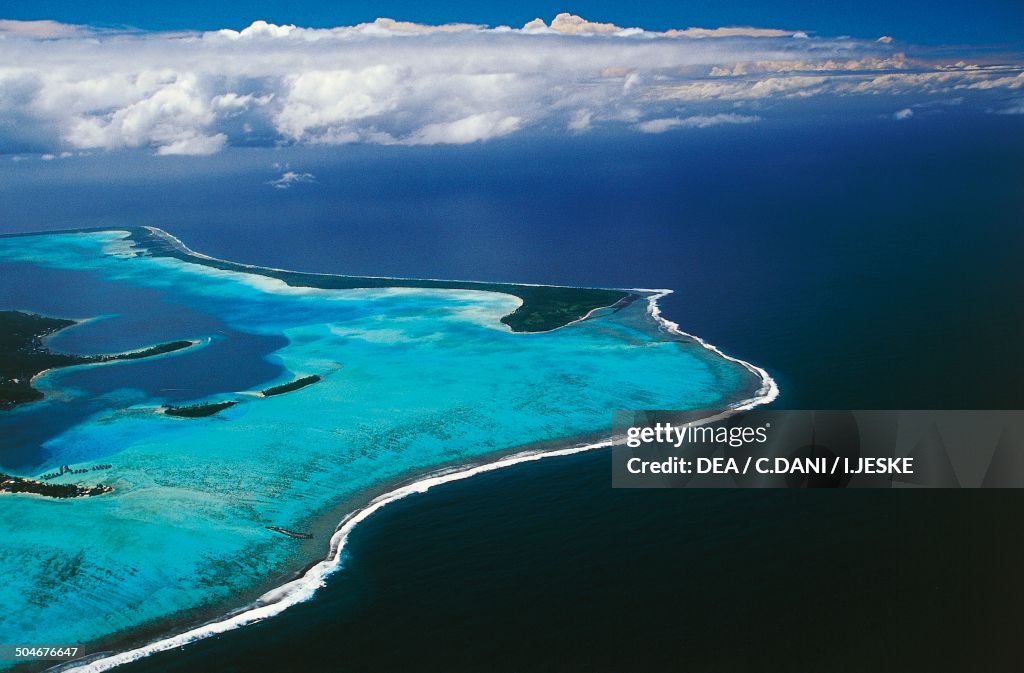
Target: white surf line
{"x": 276, "y": 601}
{"x": 176, "y": 242}
{"x": 769, "y": 389}
{"x": 301, "y": 589}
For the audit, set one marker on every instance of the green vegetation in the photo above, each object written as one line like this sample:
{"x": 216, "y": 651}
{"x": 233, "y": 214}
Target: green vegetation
{"x": 169, "y": 347}
{"x": 10, "y": 484}
{"x": 23, "y": 355}
{"x": 289, "y": 387}
{"x": 199, "y": 410}
{"x": 544, "y": 307}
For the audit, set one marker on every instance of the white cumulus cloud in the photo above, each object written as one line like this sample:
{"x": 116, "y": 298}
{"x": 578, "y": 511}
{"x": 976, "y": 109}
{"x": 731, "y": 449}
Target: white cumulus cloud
{"x": 71, "y": 88}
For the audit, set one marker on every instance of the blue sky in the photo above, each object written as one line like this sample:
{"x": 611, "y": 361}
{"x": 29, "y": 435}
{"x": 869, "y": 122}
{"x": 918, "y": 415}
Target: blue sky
{"x": 922, "y": 21}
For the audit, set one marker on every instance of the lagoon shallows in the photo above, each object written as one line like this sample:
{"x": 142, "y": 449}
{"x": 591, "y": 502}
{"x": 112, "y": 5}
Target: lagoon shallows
{"x": 411, "y": 381}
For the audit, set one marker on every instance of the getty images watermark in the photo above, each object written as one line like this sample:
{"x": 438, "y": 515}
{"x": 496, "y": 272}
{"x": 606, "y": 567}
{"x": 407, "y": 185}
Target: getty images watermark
{"x": 818, "y": 449}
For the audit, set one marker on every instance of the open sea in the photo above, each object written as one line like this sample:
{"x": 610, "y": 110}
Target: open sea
{"x": 863, "y": 264}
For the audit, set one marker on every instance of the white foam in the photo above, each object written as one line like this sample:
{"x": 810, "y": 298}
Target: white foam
{"x": 278, "y": 600}
{"x": 768, "y": 391}
{"x": 177, "y": 243}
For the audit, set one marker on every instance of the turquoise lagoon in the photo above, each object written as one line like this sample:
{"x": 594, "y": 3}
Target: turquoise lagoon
{"x": 413, "y": 380}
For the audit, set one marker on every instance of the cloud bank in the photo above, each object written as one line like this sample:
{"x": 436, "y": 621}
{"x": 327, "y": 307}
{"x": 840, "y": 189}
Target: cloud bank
{"x": 67, "y": 89}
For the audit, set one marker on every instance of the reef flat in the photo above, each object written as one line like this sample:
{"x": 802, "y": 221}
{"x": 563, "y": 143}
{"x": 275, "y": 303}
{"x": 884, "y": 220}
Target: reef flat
{"x": 543, "y": 308}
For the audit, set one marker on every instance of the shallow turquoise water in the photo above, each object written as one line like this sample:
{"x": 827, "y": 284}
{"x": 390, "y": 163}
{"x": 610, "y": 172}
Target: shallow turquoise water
{"x": 412, "y": 380}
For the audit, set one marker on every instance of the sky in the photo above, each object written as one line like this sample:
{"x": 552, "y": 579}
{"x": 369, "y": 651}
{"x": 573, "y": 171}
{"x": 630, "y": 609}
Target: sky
{"x": 68, "y": 88}
{"x": 921, "y": 21}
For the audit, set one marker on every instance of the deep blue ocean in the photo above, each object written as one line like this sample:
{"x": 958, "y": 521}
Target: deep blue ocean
{"x": 863, "y": 264}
